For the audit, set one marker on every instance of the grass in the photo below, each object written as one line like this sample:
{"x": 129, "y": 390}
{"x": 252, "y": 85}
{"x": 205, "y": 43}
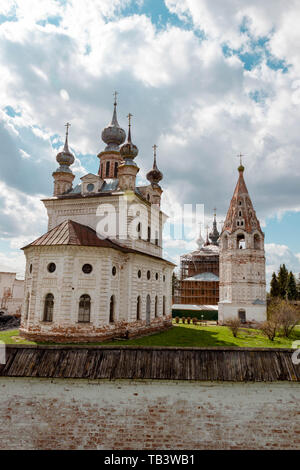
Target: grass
{"x": 188, "y": 336}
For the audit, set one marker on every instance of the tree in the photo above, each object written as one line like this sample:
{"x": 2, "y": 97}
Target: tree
{"x": 282, "y": 316}
{"x": 282, "y": 281}
{"x": 274, "y": 292}
{"x": 291, "y": 287}
{"x": 234, "y": 325}
{"x": 175, "y": 284}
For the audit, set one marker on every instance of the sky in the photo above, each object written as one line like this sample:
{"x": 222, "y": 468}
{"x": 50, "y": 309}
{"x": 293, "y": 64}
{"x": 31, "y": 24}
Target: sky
{"x": 204, "y": 80}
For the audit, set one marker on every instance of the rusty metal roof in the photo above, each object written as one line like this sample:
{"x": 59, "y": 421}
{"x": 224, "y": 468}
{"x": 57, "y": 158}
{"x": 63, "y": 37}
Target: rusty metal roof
{"x": 73, "y": 233}
{"x": 140, "y": 362}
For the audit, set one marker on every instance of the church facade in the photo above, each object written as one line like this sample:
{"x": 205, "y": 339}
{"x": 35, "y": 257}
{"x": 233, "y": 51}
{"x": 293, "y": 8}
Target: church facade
{"x": 242, "y": 261}
{"x": 98, "y": 273}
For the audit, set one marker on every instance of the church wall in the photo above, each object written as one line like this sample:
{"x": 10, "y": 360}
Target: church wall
{"x": 68, "y": 283}
{"x": 38, "y": 413}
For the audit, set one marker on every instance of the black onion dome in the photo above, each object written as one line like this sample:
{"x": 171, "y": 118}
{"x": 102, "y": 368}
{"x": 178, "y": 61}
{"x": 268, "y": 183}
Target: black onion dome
{"x": 65, "y": 158}
{"x": 154, "y": 175}
{"x": 129, "y": 150}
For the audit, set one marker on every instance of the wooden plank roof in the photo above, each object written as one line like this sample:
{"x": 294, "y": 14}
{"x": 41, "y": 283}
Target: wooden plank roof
{"x": 139, "y": 362}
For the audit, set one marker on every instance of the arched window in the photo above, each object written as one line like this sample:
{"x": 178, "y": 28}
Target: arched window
{"x": 84, "y": 312}
{"x": 240, "y": 241}
{"x": 107, "y": 168}
{"x": 164, "y": 305}
{"x": 149, "y": 234}
{"x": 48, "y": 307}
{"x": 225, "y": 242}
{"x": 112, "y": 309}
{"x": 138, "y": 308}
{"x": 148, "y": 310}
{"x": 156, "y": 307}
{"x": 116, "y": 170}
{"x": 139, "y": 230}
{"x": 256, "y": 242}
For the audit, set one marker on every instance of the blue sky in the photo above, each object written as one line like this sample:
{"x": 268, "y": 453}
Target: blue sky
{"x": 204, "y": 80}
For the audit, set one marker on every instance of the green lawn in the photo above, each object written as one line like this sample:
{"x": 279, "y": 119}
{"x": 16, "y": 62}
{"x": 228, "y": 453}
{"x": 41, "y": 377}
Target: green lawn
{"x": 190, "y": 335}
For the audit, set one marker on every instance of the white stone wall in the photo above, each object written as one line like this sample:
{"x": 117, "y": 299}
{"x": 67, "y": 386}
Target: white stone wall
{"x": 11, "y": 293}
{"x": 85, "y": 210}
{"x": 242, "y": 278}
{"x": 68, "y": 282}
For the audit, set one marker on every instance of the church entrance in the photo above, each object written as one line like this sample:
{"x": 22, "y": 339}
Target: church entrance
{"x": 148, "y": 309}
{"x": 242, "y": 315}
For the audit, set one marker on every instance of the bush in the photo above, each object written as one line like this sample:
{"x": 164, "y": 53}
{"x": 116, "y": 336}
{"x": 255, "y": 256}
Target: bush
{"x": 188, "y": 320}
{"x": 177, "y": 320}
{"x": 234, "y": 325}
{"x": 195, "y": 320}
{"x": 270, "y": 328}
{"x": 285, "y": 315}
{"x": 183, "y": 319}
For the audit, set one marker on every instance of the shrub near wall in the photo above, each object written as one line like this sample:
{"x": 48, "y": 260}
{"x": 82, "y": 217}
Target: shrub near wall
{"x": 207, "y": 314}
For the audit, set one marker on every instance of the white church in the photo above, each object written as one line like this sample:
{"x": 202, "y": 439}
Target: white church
{"x": 98, "y": 273}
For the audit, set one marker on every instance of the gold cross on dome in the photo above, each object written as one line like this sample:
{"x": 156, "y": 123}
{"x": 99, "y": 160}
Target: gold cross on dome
{"x": 215, "y": 211}
{"x": 240, "y": 157}
{"x": 129, "y": 118}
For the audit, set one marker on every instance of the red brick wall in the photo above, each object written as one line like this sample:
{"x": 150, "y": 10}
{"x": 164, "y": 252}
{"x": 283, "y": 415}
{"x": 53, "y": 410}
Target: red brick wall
{"x": 81, "y": 414}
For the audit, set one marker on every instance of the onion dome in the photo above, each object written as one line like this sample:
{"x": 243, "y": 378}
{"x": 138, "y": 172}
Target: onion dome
{"x": 113, "y": 135}
{"x": 214, "y": 234}
{"x": 154, "y": 175}
{"x": 129, "y": 150}
{"x": 65, "y": 158}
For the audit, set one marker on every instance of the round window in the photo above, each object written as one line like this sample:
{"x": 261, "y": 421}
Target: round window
{"x": 148, "y": 274}
{"x": 139, "y": 273}
{"x": 51, "y": 267}
{"x": 87, "y": 268}
{"x": 90, "y": 187}
{"x": 156, "y": 276}
{"x": 114, "y": 271}
{"x": 30, "y": 268}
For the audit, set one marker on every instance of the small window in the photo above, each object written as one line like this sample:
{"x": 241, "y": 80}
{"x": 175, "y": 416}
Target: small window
{"x": 84, "y": 312}
{"x": 164, "y": 305}
{"x": 148, "y": 197}
{"x": 114, "y": 271}
{"x": 27, "y": 306}
{"x": 240, "y": 203}
{"x": 240, "y": 213}
{"x": 149, "y": 234}
{"x": 148, "y": 275}
{"x": 90, "y": 187}
{"x": 116, "y": 170}
{"x": 87, "y": 268}
{"x": 139, "y": 230}
{"x": 112, "y": 309}
{"x": 238, "y": 223}
{"x": 51, "y": 267}
{"x": 164, "y": 278}
{"x": 139, "y": 273}
{"x": 156, "y": 276}
{"x": 30, "y": 268}
{"x": 107, "y": 168}
{"x": 48, "y": 308}
{"x": 242, "y": 222}
{"x": 138, "y": 308}
{"x": 156, "y": 307}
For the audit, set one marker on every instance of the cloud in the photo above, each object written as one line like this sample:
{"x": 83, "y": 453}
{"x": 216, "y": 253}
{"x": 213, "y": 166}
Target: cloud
{"x": 276, "y": 255}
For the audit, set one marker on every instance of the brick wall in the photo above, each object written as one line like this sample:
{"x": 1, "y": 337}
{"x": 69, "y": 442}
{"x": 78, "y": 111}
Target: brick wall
{"x": 80, "y": 414}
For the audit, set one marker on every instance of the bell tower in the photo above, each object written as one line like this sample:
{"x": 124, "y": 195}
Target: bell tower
{"x": 242, "y": 260}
